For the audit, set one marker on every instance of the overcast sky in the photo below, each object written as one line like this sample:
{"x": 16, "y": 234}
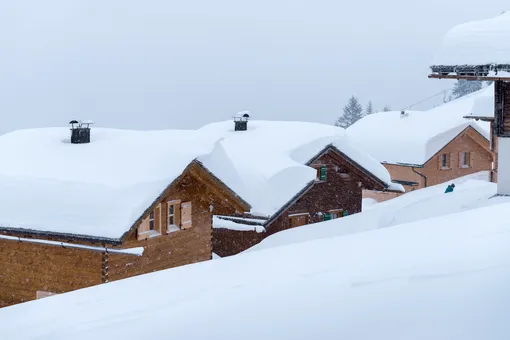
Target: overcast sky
{"x": 181, "y": 64}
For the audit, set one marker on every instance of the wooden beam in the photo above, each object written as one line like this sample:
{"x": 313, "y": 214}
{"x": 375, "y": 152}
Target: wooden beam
{"x": 456, "y": 76}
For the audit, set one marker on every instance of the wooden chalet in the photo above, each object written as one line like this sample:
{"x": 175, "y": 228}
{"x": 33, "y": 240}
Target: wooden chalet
{"x": 77, "y": 213}
{"x": 426, "y": 148}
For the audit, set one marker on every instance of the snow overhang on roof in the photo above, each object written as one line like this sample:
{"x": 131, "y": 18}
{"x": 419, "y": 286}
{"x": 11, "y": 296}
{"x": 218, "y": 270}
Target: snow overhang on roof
{"x": 267, "y": 164}
{"x": 412, "y": 139}
{"x": 475, "y": 50}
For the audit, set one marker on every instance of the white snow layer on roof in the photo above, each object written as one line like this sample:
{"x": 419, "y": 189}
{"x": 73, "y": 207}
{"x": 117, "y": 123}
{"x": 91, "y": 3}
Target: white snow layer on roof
{"x": 484, "y": 105}
{"x": 100, "y": 189}
{"x": 266, "y": 163}
{"x": 477, "y": 43}
{"x": 445, "y": 278}
{"x": 96, "y": 189}
{"x": 415, "y": 137}
{"x": 219, "y": 223}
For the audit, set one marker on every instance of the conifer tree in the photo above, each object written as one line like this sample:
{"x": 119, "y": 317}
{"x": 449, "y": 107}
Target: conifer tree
{"x": 353, "y": 112}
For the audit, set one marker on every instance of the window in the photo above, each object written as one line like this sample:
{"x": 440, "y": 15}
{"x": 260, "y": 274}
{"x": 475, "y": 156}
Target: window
{"x": 465, "y": 159}
{"x": 336, "y": 213}
{"x": 445, "y": 161}
{"x": 321, "y": 172}
{"x": 151, "y": 225}
{"x": 151, "y": 221}
{"x": 173, "y": 216}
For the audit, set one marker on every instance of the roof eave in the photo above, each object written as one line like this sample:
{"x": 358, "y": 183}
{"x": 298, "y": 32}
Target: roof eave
{"x": 485, "y": 72}
{"x": 410, "y": 165}
{"x": 60, "y": 236}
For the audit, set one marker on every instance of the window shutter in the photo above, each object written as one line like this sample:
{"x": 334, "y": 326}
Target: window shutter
{"x": 177, "y": 213}
{"x": 322, "y": 175}
{"x": 468, "y": 158}
{"x": 143, "y": 230}
{"x": 186, "y": 215}
{"x": 157, "y": 219}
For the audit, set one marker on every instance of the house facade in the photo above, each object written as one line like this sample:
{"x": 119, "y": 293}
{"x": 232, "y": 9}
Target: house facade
{"x": 466, "y": 154}
{"x": 421, "y": 149}
{"x": 174, "y": 228}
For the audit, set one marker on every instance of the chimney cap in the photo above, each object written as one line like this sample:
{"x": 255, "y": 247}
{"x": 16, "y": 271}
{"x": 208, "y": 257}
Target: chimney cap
{"x": 242, "y": 116}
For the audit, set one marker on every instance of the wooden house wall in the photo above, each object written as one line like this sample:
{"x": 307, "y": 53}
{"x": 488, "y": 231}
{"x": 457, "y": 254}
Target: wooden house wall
{"x": 337, "y": 192}
{"x": 26, "y": 268}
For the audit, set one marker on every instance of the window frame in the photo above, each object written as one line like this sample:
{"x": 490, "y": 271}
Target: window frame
{"x": 336, "y": 213}
{"x": 152, "y": 221}
{"x": 171, "y": 215}
{"x": 447, "y": 160}
{"x": 463, "y": 164}
{"x": 176, "y": 226}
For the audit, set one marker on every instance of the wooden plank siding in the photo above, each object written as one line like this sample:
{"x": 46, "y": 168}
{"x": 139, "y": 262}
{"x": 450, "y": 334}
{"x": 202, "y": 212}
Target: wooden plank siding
{"x": 26, "y": 268}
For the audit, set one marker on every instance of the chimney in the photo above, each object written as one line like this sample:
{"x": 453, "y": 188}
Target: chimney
{"x": 80, "y": 131}
{"x": 241, "y": 121}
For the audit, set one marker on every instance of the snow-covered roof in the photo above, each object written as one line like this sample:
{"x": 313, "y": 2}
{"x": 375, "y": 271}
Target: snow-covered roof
{"x": 241, "y": 224}
{"x": 98, "y": 189}
{"x": 415, "y": 137}
{"x": 483, "y": 107}
{"x": 441, "y": 278}
{"x": 483, "y": 42}
{"x": 266, "y": 164}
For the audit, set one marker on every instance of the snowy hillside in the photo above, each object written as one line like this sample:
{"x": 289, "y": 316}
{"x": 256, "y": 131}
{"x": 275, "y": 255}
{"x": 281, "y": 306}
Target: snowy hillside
{"x": 471, "y": 192}
{"x": 442, "y": 278}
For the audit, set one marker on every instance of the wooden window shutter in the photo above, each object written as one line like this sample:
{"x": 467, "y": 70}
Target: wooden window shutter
{"x": 143, "y": 230}
{"x": 186, "y": 222}
{"x": 468, "y": 158}
{"x": 177, "y": 213}
{"x": 157, "y": 218}
{"x": 322, "y": 175}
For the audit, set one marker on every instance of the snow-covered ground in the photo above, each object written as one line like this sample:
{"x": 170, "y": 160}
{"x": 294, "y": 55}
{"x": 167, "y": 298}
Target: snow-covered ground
{"x": 444, "y": 278}
{"x": 368, "y": 203}
{"x": 471, "y": 191}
